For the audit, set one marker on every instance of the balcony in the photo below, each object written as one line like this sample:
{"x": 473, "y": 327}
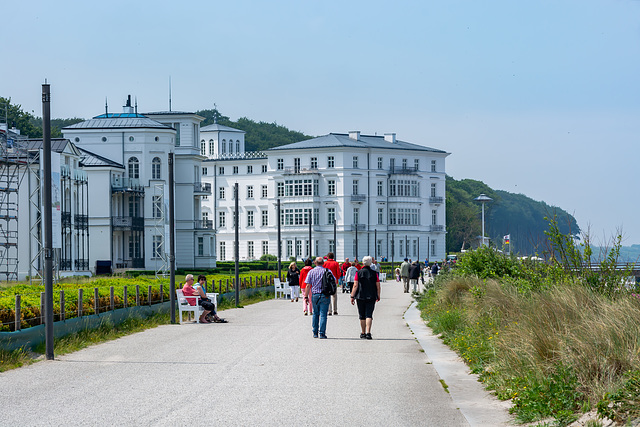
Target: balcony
{"x": 203, "y": 224}
{"x": 64, "y": 264}
{"x": 121, "y": 184}
{"x": 358, "y": 198}
{"x": 127, "y": 223}
{"x": 81, "y": 222}
{"x": 299, "y": 171}
{"x": 201, "y": 189}
{"x": 437, "y": 228}
{"x": 436, "y": 200}
{"x": 407, "y": 170}
{"x": 358, "y": 227}
{"x": 81, "y": 264}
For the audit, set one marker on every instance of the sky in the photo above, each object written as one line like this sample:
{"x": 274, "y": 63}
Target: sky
{"x": 540, "y": 97}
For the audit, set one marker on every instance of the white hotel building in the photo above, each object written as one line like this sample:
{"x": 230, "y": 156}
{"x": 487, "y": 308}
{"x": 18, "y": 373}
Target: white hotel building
{"x": 386, "y": 196}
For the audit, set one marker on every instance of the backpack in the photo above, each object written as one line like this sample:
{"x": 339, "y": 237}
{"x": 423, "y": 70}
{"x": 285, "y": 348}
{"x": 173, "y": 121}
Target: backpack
{"x": 328, "y": 283}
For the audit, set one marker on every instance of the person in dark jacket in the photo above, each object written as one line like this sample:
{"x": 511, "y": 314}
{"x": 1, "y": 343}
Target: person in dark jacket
{"x": 434, "y": 270}
{"x": 366, "y": 292}
{"x": 414, "y": 275}
{"x": 293, "y": 277}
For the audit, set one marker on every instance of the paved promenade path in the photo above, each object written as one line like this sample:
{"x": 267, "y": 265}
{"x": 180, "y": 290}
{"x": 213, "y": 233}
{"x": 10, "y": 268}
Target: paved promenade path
{"x": 263, "y": 368}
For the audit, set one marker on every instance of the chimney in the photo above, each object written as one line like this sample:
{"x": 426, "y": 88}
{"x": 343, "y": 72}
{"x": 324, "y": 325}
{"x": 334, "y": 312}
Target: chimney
{"x": 128, "y": 108}
{"x": 354, "y": 134}
{"x": 390, "y": 137}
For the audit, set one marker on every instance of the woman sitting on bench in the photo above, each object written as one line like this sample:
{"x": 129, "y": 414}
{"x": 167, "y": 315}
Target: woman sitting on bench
{"x": 199, "y": 290}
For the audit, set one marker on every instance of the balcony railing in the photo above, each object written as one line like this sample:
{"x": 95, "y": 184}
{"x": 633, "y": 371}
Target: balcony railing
{"x": 128, "y": 222}
{"x": 81, "y": 222}
{"x": 358, "y": 198}
{"x": 407, "y": 170}
{"x": 203, "y": 224}
{"x": 437, "y": 228}
{"x": 127, "y": 185}
{"x": 436, "y": 200}
{"x": 82, "y": 264}
{"x": 65, "y": 264}
{"x": 301, "y": 170}
{"x": 358, "y": 227}
{"x": 130, "y": 263}
{"x": 202, "y": 188}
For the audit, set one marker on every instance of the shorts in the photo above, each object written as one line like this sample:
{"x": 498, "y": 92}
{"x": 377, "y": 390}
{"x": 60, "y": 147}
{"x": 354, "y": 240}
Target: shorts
{"x": 365, "y": 308}
{"x": 208, "y": 305}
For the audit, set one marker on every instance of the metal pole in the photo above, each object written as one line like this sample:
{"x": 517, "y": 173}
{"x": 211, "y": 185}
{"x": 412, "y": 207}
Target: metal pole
{"x": 236, "y": 249}
{"x": 393, "y": 247}
{"x": 48, "y": 234}
{"x": 172, "y": 243}
{"x": 375, "y": 244}
{"x": 356, "y": 254}
{"x": 310, "y": 221}
{"x": 482, "y": 223}
{"x": 406, "y": 246}
{"x": 279, "y": 236}
{"x": 335, "y": 242}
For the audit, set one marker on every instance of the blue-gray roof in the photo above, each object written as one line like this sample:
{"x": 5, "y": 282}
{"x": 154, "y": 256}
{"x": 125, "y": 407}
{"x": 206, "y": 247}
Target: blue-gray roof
{"x": 365, "y": 141}
{"x": 119, "y": 121}
{"x": 219, "y": 128}
{"x": 93, "y": 159}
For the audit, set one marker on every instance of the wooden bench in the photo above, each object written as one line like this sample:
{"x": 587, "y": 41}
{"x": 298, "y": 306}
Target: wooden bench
{"x": 185, "y": 307}
{"x": 281, "y": 288}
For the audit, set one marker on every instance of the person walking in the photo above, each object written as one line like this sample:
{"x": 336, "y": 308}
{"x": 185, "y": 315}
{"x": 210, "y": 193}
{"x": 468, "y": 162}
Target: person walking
{"x": 332, "y": 265}
{"x": 293, "y": 277}
{"x": 319, "y": 300}
{"x": 343, "y": 271}
{"x": 303, "y": 275}
{"x": 414, "y": 274}
{"x": 366, "y": 292}
{"x": 434, "y": 270}
{"x": 404, "y": 274}
{"x": 350, "y": 277}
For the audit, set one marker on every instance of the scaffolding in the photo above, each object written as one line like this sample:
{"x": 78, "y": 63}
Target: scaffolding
{"x": 160, "y": 224}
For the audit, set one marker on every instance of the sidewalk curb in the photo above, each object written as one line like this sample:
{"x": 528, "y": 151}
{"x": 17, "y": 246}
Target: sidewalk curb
{"x": 478, "y": 406}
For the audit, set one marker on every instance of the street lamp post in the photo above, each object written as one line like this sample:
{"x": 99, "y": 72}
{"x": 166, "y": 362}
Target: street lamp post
{"x": 483, "y": 199}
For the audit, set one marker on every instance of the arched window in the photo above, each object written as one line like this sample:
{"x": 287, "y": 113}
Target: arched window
{"x": 224, "y": 146}
{"x": 211, "y": 147}
{"x": 230, "y": 147}
{"x": 134, "y": 167}
{"x": 238, "y": 146}
{"x": 203, "y": 148}
{"x": 155, "y": 168}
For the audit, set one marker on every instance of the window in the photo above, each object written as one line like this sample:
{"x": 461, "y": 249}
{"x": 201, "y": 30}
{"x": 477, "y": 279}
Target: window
{"x": 156, "y": 247}
{"x": 265, "y": 247}
{"x": 280, "y": 164}
{"x": 301, "y": 187}
{"x": 404, "y": 163}
{"x": 264, "y": 168}
{"x": 249, "y": 170}
{"x": 249, "y": 191}
{"x": 392, "y": 216}
{"x": 200, "y": 246}
{"x": 379, "y": 188}
{"x": 155, "y": 168}
{"x": 331, "y": 162}
{"x": 416, "y": 164}
{"x": 249, "y": 218}
{"x": 224, "y": 146}
{"x": 331, "y": 187}
{"x": 296, "y": 165}
{"x": 265, "y": 218}
{"x": 205, "y": 216}
{"x": 230, "y": 147}
{"x": 433, "y": 165}
{"x": 379, "y": 162}
{"x": 134, "y": 246}
{"x": 156, "y": 207}
{"x": 222, "y": 252}
{"x": 433, "y": 190}
{"x": 332, "y": 246}
{"x": 221, "y": 193}
{"x": 280, "y": 189}
{"x": 222, "y": 219}
{"x": 204, "y": 171}
{"x": 380, "y": 215}
{"x": 433, "y": 249}
{"x": 263, "y": 191}
{"x": 134, "y": 167}
{"x": 331, "y": 215}
{"x": 392, "y": 164}
{"x": 221, "y": 170}
{"x": 289, "y": 248}
{"x": 297, "y": 216}
{"x": 250, "y": 254}
{"x": 235, "y": 170}
{"x": 434, "y": 217}
{"x": 314, "y": 163}
{"x": 355, "y": 186}
{"x": 415, "y": 248}
{"x": 212, "y": 146}
{"x": 134, "y": 206}
{"x": 203, "y": 148}
{"x": 237, "y": 146}
{"x": 401, "y": 245}
{"x": 356, "y": 215}
{"x": 379, "y": 247}
{"x": 355, "y": 162}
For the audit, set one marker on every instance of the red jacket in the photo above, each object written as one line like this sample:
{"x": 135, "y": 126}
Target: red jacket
{"x": 334, "y": 267}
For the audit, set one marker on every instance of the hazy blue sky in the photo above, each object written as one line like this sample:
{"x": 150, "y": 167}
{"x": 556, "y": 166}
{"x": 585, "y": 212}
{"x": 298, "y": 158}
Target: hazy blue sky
{"x": 539, "y": 97}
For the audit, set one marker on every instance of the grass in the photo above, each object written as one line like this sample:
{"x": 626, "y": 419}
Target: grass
{"x": 105, "y": 332}
{"x": 554, "y": 352}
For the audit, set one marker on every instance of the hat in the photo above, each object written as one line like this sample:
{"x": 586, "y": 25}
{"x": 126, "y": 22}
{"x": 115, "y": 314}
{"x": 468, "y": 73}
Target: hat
{"x": 406, "y": 259}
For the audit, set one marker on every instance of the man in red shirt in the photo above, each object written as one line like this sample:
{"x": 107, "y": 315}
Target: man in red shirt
{"x": 332, "y": 265}
{"x": 343, "y": 269}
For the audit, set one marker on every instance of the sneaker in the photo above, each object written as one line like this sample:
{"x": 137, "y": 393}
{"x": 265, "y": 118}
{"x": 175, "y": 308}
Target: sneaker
{"x": 368, "y": 336}
{"x": 329, "y": 314}
{"x": 335, "y": 312}
{"x": 363, "y": 336}
{"x": 305, "y": 313}
{"x": 315, "y": 335}
{"x": 323, "y": 337}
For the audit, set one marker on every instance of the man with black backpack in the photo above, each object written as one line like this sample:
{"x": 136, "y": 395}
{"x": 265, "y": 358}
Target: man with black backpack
{"x": 323, "y": 285}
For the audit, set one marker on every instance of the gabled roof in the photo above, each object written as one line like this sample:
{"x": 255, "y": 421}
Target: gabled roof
{"x": 219, "y": 128}
{"x": 89, "y": 159}
{"x": 365, "y": 141}
{"x": 58, "y": 145}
